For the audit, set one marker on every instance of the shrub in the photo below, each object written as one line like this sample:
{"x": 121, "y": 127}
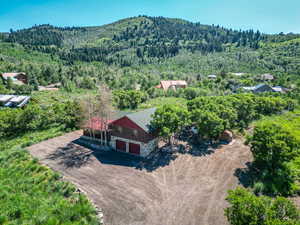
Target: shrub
{"x": 246, "y": 208}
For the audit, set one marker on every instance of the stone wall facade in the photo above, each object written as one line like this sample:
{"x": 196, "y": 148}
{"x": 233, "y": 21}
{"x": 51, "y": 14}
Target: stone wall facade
{"x": 145, "y": 148}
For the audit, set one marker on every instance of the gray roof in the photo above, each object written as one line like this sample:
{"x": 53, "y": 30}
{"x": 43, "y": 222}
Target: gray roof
{"x": 257, "y": 87}
{"x": 142, "y": 118}
{"x": 267, "y": 76}
{"x": 260, "y": 86}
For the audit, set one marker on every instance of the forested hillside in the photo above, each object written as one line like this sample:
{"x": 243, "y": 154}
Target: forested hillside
{"x": 142, "y": 50}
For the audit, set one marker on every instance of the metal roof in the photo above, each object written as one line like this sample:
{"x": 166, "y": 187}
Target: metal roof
{"x": 142, "y": 118}
{"x": 166, "y": 84}
{"x": 5, "y": 98}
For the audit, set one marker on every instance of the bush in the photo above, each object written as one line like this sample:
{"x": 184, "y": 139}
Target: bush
{"x": 235, "y": 111}
{"x": 36, "y": 117}
{"x": 246, "y": 208}
{"x": 129, "y": 99}
{"x": 276, "y": 150}
{"x": 33, "y": 194}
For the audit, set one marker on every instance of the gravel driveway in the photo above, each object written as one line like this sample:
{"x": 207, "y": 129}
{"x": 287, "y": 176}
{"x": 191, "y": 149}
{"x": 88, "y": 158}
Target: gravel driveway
{"x": 173, "y": 189}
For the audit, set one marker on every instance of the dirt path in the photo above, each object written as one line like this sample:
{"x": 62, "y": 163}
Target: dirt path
{"x": 188, "y": 190}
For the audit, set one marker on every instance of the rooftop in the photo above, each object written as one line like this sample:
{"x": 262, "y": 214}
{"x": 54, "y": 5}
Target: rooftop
{"x": 166, "y": 84}
{"x": 143, "y": 118}
{"x": 6, "y": 75}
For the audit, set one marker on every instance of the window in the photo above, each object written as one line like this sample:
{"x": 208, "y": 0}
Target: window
{"x": 135, "y": 132}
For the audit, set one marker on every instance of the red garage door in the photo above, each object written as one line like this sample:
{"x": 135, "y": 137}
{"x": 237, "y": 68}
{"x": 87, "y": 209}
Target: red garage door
{"x": 134, "y": 148}
{"x": 121, "y": 145}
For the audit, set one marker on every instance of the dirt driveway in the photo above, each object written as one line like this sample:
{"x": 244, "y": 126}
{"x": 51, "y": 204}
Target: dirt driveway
{"x": 174, "y": 189}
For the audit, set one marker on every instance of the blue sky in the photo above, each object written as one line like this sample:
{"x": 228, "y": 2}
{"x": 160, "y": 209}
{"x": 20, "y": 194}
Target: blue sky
{"x": 269, "y": 16}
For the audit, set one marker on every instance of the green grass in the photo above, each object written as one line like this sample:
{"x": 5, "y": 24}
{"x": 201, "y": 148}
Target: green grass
{"x": 157, "y": 102}
{"x": 15, "y": 52}
{"x": 32, "y": 193}
{"x": 290, "y": 121}
{"x": 28, "y": 139}
{"x": 48, "y": 97}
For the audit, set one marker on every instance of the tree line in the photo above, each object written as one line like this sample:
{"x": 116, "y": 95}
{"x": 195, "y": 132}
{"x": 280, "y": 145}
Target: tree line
{"x": 213, "y": 115}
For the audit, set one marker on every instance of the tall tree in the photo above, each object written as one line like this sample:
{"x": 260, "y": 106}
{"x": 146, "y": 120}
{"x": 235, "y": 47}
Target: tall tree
{"x": 169, "y": 120}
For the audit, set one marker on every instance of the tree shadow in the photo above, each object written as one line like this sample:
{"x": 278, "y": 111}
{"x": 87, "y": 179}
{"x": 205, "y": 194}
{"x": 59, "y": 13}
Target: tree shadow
{"x": 79, "y": 153}
{"x": 164, "y": 155}
{"x": 71, "y": 155}
{"x": 246, "y": 175}
{"x": 156, "y": 160}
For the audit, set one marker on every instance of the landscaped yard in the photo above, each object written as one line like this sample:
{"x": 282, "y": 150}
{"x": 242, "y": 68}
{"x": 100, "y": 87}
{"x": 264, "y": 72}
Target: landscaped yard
{"x": 172, "y": 189}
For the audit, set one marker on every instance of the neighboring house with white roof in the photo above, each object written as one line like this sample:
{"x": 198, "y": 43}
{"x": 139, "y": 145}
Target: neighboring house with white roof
{"x": 13, "y": 101}
{"x": 212, "y": 76}
{"x": 259, "y": 88}
{"x": 267, "y": 77}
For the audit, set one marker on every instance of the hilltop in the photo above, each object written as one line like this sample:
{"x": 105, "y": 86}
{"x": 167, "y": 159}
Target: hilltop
{"x": 142, "y": 50}
{"x": 141, "y": 37}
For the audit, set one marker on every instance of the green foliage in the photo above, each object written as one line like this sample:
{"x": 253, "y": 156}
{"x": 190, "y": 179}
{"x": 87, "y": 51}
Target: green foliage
{"x": 212, "y": 115}
{"x": 140, "y": 39}
{"x": 3, "y": 89}
{"x": 276, "y": 150}
{"x": 158, "y": 102}
{"x": 34, "y": 117}
{"x": 33, "y": 194}
{"x": 128, "y": 99}
{"x": 169, "y": 119}
{"x": 124, "y": 70}
{"x": 209, "y": 124}
{"x": 23, "y": 89}
{"x": 247, "y": 209}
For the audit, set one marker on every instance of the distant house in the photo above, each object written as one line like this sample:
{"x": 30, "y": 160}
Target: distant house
{"x": 172, "y": 84}
{"x": 17, "y": 78}
{"x": 130, "y": 133}
{"x": 212, "y": 77}
{"x": 280, "y": 89}
{"x": 13, "y": 101}
{"x": 267, "y": 77}
{"x": 238, "y": 74}
{"x": 50, "y": 87}
{"x": 259, "y": 88}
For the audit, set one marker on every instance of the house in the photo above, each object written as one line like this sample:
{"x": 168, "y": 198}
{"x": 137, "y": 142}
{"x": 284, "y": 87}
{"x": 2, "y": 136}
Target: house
{"x": 130, "y": 133}
{"x": 212, "y": 77}
{"x": 267, "y": 77}
{"x": 238, "y": 74}
{"x": 172, "y": 84}
{"x": 133, "y": 134}
{"x": 259, "y": 88}
{"x": 17, "y": 78}
{"x": 13, "y": 101}
{"x": 50, "y": 87}
{"x": 279, "y": 89}
{"x": 4, "y": 99}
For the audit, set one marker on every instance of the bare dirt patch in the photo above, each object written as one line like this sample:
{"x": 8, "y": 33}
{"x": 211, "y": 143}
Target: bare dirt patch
{"x": 176, "y": 189}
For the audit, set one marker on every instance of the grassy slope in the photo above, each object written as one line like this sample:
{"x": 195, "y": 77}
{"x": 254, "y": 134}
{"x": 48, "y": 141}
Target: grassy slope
{"x": 34, "y": 194}
{"x": 47, "y": 97}
{"x": 290, "y": 121}
{"x": 17, "y": 53}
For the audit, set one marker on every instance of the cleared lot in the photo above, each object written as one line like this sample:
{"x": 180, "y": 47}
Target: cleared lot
{"x": 172, "y": 189}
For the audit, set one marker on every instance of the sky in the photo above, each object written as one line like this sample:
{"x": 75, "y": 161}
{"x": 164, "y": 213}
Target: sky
{"x": 268, "y": 16}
